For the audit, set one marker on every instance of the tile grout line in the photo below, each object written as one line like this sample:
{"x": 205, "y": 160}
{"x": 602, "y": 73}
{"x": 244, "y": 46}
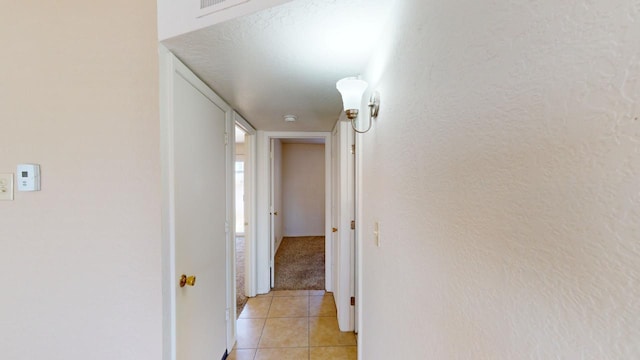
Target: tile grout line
{"x": 309, "y": 316}
{"x": 262, "y": 330}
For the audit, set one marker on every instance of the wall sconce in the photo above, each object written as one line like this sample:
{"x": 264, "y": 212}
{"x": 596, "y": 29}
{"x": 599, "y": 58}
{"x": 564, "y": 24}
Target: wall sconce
{"x": 352, "y": 89}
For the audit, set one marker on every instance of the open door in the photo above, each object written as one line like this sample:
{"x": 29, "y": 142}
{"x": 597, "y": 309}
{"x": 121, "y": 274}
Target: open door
{"x": 272, "y": 214}
{"x": 335, "y": 203}
{"x": 195, "y": 216}
{"x": 344, "y": 222}
{"x": 275, "y": 213}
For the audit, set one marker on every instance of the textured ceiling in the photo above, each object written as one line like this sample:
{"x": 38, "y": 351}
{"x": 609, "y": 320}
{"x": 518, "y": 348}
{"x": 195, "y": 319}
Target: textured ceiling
{"x": 286, "y": 60}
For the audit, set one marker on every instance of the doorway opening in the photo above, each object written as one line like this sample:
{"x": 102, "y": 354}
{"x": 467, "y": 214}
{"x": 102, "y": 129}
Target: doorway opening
{"x": 243, "y": 224}
{"x": 298, "y": 215}
{"x": 270, "y": 227}
{"x": 239, "y": 212}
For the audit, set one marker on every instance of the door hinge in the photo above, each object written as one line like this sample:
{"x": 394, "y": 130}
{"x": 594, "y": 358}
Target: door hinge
{"x": 353, "y": 224}
{"x": 353, "y": 149}
{"x": 353, "y": 301}
{"x": 226, "y": 226}
{"x": 226, "y": 138}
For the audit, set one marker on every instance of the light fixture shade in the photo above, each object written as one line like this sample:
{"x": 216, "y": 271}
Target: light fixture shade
{"x": 351, "y": 89}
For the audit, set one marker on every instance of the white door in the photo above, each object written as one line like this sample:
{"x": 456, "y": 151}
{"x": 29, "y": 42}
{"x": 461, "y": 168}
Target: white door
{"x": 353, "y": 256}
{"x": 335, "y": 203}
{"x": 344, "y": 287}
{"x": 200, "y": 215}
{"x": 272, "y": 212}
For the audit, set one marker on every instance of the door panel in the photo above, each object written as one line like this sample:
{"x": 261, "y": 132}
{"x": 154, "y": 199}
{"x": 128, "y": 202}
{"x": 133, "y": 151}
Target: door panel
{"x": 345, "y": 242}
{"x": 200, "y": 212}
{"x": 335, "y": 206}
{"x": 272, "y": 216}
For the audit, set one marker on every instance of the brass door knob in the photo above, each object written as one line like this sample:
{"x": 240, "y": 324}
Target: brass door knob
{"x": 187, "y": 280}
{"x": 334, "y": 229}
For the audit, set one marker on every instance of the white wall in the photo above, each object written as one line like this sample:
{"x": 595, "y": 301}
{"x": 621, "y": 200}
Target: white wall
{"x": 504, "y": 171}
{"x": 81, "y": 259}
{"x": 303, "y": 189}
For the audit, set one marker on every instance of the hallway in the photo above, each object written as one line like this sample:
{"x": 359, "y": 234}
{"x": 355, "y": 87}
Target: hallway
{"x": 497, "y": 193}
{"x": 294, "y": 325}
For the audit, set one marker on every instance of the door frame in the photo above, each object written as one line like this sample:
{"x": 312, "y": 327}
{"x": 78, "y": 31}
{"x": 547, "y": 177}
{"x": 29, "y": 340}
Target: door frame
{"x": 262, "y": 244}
{"x": 250, "y": 205}
{"x": 170, "y": 65}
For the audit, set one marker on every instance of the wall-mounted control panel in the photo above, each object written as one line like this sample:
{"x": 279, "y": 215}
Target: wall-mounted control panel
{"x": 6, "y": 186}
{"x": 28, "y": 177}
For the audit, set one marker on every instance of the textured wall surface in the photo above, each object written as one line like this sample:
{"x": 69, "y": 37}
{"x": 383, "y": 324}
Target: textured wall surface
{"x": 505, "y": 172}
{"x": 80, "y": 260}
{"x": 296, "y": 50}
{"x": 303, "y": 189}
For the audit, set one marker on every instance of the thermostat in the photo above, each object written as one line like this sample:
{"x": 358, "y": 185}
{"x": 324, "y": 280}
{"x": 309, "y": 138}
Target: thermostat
{"x": 28, "y": 177}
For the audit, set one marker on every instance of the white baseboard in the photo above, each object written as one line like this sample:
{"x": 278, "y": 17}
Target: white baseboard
{"x": 302, "y": 235}
{"x": 278, "y": 242}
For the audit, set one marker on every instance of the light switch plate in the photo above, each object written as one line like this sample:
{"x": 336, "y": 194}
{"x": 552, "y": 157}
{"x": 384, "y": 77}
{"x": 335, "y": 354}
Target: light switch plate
{"x": 6, "y": 186}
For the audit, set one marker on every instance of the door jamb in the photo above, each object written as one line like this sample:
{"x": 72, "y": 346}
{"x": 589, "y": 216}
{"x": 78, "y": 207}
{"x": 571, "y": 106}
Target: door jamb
{"x": 250, "y": 204}
{"x": 168, "y": 215}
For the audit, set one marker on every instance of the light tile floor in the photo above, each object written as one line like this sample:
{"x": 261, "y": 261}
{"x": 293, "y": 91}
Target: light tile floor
{"x": 292, "y": 325}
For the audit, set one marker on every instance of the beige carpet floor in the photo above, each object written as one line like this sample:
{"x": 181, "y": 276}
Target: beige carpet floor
{"x": 241, "y": 298}
{"x": 299, "y": 264}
